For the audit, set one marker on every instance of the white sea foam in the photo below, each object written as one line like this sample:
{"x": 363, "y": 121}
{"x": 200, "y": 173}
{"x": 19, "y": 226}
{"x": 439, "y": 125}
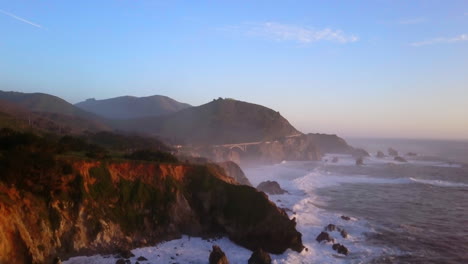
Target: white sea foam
{"x": 439, "y": 183}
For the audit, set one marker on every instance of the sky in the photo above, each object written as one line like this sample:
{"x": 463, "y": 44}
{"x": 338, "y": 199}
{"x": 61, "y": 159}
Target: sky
{"x": 353, "y": 68}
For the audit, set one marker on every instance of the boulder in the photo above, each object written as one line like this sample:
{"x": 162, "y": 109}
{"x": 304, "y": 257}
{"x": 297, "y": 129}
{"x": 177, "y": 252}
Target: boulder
{"x": 392, "y": 152}
{"x": 123, "y": 261}
{"x": 380, "y": 154}
{"x": 343, "y": 233}
{"x": 259, "y": 257}
{"x": 270, "y": 187}
{"x": 330, "y": 227}
{"x": 340, "y": 249}
{"x": 217, "y": 256}
{"x": 141, "y": 258}
{"x": 57, "y": 260}
{"x": 324, "y": 236}
{"x": 400, "y": 159}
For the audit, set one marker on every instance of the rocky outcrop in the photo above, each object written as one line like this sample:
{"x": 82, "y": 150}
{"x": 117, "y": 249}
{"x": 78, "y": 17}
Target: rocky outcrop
{"x": 324, "y": 236}
{"x": 359, "y": 161}
{"x": 234, "y": 171}
{"x": 392, "y": 152}
{"x": 270, "y": 187}
{"x": 242, "y": 213}
{"x": 400, "y": 159}
{"x": 217, "y": 256}
{"x": 340, "y": 249}
{"x": 333, "y": 144}
{"x": 380, "y": 154}
{"x": 85, "y": 207}
{"x": 259, "y": 257}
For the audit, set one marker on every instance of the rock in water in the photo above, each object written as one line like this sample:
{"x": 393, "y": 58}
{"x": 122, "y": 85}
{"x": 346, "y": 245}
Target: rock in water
{"x": 359, "y": 161}
{"x": 340, "y": 249}
{"x": 217, "y": 256}
{"x": 270, "y": 187}
{"x": 141, "y": 258}
{"x": 392, "y": 152}
{"x": 380, "y": 154}
{"x": 344, "y": 217}
{"x": 324, "y": 236}
{"x": 330, "y": 227}
{"x": 259, "y": 257}
{"x": 343, "y": 233}
{"x": 400, "y": 159}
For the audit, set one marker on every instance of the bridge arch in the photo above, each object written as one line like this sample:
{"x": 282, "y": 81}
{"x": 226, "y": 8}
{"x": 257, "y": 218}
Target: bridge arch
{"x": 243, "y": 148}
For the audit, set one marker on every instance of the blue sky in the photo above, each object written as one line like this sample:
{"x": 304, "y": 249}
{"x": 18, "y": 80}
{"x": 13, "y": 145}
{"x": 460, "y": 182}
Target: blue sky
{"x": 354, "y": 68}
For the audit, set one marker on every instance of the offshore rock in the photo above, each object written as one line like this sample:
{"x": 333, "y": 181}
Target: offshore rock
{"x": 392, "y": 152}
{"x": 380, "y": 154}
{"x": 340, "y": 249}
{"x": 324, "y": 236}
{"x": 270, "y": 187}
{"x": 400, "y": 159}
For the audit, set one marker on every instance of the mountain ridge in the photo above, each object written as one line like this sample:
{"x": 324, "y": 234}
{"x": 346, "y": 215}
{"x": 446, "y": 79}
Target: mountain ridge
{"x": 128, "y": 107}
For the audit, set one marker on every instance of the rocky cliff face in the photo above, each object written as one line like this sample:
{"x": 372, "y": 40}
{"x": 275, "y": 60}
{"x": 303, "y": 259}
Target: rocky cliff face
{"x": 84, "y": 207}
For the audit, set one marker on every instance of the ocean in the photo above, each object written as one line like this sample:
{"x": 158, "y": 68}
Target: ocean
{"x": 412, "y": 212}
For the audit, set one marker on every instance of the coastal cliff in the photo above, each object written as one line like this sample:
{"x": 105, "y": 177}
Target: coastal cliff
{"x": 86, "y": 207}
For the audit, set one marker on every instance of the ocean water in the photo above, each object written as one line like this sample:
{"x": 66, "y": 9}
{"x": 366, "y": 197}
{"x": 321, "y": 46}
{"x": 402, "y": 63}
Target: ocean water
{"x": 414, "y": 212}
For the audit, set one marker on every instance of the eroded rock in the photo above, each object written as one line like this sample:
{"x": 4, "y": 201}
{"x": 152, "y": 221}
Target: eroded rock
{"x": 400, "y": 159}
{"x": 217, "y": 256}
{"x": 270, "y": 187}
{"x": 380, "y": 154}
{"x": 324, "y": 236}
{"x": 392, "y": 152}
{"x": 259, "y": 256}
{"x": 340, "y": 249}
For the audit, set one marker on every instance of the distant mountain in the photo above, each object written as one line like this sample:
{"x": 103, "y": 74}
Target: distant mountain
{"x": 40, "y": 102}
{"x": 218, "y": 122}
{"x": 45, "y": 112}
{"x": 127, "y": 107}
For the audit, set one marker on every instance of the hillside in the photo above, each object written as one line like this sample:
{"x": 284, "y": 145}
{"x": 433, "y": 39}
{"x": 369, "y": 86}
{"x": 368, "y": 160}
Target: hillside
{"x": 19, "y": 118}
{"x": 126, "y": 107}
{"x": 218, "y": 122}
{"x": 40, "y": 102}
{"x": 46, "y": 112}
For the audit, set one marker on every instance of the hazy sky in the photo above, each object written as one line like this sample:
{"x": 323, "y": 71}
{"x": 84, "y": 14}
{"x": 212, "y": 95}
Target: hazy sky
{"x": 355, "y": 68}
